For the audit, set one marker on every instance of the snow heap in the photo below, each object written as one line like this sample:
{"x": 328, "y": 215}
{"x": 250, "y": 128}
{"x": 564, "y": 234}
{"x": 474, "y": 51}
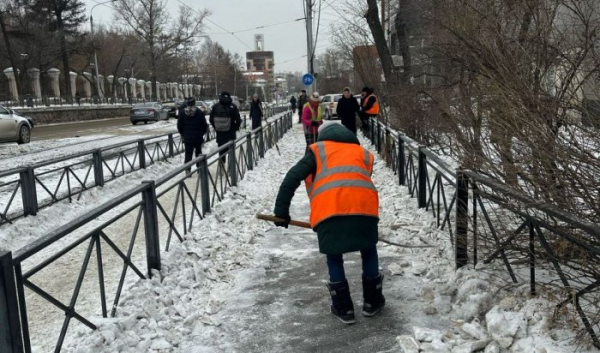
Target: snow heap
{"x": 485, "y": 316}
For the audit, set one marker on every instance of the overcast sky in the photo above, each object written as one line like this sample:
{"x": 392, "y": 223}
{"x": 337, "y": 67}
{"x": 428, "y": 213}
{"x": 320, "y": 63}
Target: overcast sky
{"x": 287, "y": 41}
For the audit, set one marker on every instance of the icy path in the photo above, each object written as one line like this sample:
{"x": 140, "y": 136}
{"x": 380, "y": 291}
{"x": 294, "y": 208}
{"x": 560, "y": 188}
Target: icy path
{"x": 240, "y": 285}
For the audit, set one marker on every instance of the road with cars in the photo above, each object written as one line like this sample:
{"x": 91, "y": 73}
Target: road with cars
{"x": 116, "y": 126}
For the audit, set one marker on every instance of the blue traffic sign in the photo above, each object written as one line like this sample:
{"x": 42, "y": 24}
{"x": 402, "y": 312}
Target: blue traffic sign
{"x": 308, "y": 79}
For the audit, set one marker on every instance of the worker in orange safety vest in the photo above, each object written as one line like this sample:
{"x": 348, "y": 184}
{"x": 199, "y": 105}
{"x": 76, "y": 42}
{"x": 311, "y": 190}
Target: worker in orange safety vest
{"x": 344, "y": 211}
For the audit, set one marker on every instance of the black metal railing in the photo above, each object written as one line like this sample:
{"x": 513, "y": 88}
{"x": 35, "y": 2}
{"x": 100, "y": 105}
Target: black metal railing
{"x": 487, "y": 219}
{"x": 169, "y": 205}
{"x": 26, "y": 190}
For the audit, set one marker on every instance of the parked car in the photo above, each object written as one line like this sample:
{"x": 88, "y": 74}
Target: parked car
{"x": 14, "y": 127}
{"x": 329, "y": 104}
{"x": 173, "y": 106}
{"x": 236, "y": 101}
{"x": 149, "y": 111}
{"x": 358, "y": 97}
{"x": 203, "y": 107}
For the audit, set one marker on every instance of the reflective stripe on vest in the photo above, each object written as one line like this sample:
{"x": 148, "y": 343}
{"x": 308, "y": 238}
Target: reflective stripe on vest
{"x": 374, "y": 110}
{"x": 319, "y": 112}
{"x": 342, "y": 184}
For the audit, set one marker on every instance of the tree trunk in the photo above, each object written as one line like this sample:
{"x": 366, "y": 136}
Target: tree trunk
{"x": 383, "y": 50}
{"x": 402, "y": 30}
{"x": 10, "y": 53}
{"x": 64, "y": 55}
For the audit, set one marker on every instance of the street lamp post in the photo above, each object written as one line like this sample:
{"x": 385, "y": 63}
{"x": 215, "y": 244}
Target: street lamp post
{"x": 126, "y": 84}
{"x": 92, "y": 32}
{"x": 24, "y": 58}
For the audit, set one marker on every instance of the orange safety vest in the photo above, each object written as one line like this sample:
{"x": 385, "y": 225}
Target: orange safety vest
{"x": 375, "y": 108}
{"x": 342, "y": 185}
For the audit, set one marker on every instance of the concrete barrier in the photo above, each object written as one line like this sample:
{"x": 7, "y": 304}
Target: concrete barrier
{"x": 76, "y": 113}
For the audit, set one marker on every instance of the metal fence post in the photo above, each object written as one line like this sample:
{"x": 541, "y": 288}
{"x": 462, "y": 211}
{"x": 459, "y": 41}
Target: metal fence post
{"x": 204, "y": 185}
{"x": 401, "y": 161}
{"x": 245, "y": 122}
{"x": 277, "y": 137}
{"x": 461, "y": 255}
{"x": 149, "y": 201}
{"x": 98, "y": 168}
{"x": 142, "y": 154}
{"x": 249, "y": 151}
{"x": 378, "y": 137}
{"x": 28, "y": 192}
{"x": 532, "y": 290}
{"x": 372, "y": 131}
{"x": 171, "y": 146}
{"x": 261, "y": 143}
{"x": 232, "y": 164}
{"x": 10, "y": 325}
{"x": 422, "y": 182}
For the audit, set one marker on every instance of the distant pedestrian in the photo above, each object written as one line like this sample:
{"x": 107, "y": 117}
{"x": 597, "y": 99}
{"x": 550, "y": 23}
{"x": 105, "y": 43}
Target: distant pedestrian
{"x": 78, "y": 98}
{"x": 293, "y": 103}
{"x": 312, "y": 118}
{"x": 226, "y": 120}
{"x": 192, "y": 127}
{"x": 344, "y": 212}
{"x": 302, "y": 100}
{"x": 347, "y": 109}
{"x": 256, "y": 113}
{"x": 369, "y": 107}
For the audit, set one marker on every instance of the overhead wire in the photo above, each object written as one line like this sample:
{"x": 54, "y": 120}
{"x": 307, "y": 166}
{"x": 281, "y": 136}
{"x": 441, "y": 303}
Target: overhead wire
{"x": 259, "y": 27}
{"x": 216, "y": 24}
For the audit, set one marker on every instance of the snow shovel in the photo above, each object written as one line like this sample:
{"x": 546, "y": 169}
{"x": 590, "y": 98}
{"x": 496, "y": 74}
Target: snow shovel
{"x": 266, "y": 217}
{"x": 301, "y": 224}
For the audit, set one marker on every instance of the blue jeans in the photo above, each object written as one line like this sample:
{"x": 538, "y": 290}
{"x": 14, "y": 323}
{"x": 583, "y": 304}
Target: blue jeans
{"x": 370, "y": 265}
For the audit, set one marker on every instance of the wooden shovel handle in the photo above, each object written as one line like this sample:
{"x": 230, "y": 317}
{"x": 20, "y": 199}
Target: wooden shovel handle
{"x": 270, "y": 218}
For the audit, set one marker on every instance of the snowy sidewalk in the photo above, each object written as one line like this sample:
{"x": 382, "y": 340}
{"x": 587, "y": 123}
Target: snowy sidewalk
{"x": 241, "y": 285}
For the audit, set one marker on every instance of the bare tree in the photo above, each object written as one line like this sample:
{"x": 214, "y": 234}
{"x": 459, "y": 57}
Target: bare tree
{"x": 150, "y": 21}
{"x": 63, "y": 17}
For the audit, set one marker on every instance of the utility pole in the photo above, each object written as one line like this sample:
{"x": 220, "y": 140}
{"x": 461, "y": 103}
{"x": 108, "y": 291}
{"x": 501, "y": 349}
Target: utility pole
{"x": 309, "y": 39}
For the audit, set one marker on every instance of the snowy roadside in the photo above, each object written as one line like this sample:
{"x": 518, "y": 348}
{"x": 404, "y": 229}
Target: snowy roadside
{"x": 14, "y": 156}
{"x": 191, "y": 305}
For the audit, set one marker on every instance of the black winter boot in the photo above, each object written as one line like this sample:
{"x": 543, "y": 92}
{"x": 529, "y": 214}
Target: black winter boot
{"x": 341, "y": 302}
{"x": 372, "y": 293}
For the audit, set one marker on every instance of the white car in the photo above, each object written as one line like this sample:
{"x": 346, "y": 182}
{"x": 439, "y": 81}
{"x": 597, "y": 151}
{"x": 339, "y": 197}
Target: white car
{"x": 14, "y": 127}
{"x": 329, "y": 105}
{"x": 236, "y": 101}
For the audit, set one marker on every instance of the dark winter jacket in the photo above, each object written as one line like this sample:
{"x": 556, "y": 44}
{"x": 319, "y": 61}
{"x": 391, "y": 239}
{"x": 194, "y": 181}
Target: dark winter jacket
{"x": 301, "y": 101}
{"x": 293, "y": 103}
{"x": 191, "y": 124}
{"x": 225, "y": 107}
{"x": 256, "y": 114}
{"x": 346, "y": 110}
{"x": 337, "y": 235}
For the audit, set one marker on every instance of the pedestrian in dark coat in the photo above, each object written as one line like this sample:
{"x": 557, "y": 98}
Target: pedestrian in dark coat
{"x": 346, "y": 110}
{"x": 342, "y": 231}
{"x": 256, "y": 113}
{"x": 302, "y": 100}
{"x": 225, "y": 119}
{"x": 293, "y": 103}
{"x": 192, "y": 127}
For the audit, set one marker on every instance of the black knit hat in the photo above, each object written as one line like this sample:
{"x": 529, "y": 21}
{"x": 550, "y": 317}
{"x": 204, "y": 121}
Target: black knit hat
{"x": 366, "y": 89}
{"x": 225, "y": 94}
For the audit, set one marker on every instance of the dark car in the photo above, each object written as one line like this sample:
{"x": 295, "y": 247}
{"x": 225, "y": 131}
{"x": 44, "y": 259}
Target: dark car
{"x": 149, "y": 111}
{"x": 173, "y": 106}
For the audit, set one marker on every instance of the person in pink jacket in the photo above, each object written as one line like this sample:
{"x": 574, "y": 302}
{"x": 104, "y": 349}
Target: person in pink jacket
{"x": 312, "y": 119}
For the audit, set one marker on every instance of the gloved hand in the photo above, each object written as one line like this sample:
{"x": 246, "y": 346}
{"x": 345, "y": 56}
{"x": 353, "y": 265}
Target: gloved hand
{"x": 315, "y": 123}
{"x": 286, "y": 220}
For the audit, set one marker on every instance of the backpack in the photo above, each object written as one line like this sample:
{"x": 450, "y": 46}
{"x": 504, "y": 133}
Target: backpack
{"x": 223, "y": 123}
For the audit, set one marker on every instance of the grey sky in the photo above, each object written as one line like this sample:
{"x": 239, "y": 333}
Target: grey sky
{"x": 288, "y": 40}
